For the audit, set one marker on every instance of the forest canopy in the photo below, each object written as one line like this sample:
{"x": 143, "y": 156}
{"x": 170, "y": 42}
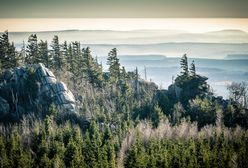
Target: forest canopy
{"x": 120, "y": 119}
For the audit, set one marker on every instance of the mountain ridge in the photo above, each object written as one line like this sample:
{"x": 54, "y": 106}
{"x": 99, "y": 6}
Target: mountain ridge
{"x": 134, "y": 30}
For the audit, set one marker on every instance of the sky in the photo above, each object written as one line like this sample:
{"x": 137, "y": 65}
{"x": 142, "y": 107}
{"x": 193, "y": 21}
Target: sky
{"x": 123, "y": 8}
{"x": 188, "y": 15}
{"x": 123, "y": 24}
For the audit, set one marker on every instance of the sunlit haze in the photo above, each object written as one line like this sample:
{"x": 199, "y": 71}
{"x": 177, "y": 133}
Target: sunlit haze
{"x": 123, "y": 24}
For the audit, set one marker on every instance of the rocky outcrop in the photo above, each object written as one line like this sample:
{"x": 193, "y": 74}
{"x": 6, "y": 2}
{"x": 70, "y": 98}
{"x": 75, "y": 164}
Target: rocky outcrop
{"x": 49, "y": 88}
{"x": 57, "y": 90}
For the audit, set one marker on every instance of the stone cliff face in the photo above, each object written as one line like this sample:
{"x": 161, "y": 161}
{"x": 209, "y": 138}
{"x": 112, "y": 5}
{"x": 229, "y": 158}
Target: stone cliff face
{"x": 13, "y": 83}
{"x": 55, "y": 89}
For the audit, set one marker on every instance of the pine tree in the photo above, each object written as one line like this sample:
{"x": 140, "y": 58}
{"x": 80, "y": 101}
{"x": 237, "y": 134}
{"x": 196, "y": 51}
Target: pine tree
{"x": 8, "y": 55}
{"x": 3, "y": 153}
{"x": 32, "y": 50}
{"x": 137, "y": 156}
{"x": 109, "y": 147}
{"x": 89, "y": 66}
{"x": 191, "y": 85}
{"x": 156, "y": 115}
{"x": 152, "y": 158}
{"x": 58, "y": 162}
{"x": 184, "y": 65}
{"x": 102, "y": 160}
{"x": 71, "y": 66}
{"x": 114, "y": 66}
{"x": 65, "y": 54}
{"x": 77, "y": 62}
{"x": 4, "y": 45}
{"x": 12, "y": 55}
{"x": 71, "y": 153}
{"x": 77, "y": 158}
{"x": 124, "y": 74}
{"x": 58, "y": 60}
{"x": 89, "y": 151}
{"x": 45, "y": 161}
{"x": 178, "y": 111}
{"x": 192, "y": 69}
{"x": 93, "y": 70}
{"x": 44, "y": 54}
{"x": 98, "y": 74}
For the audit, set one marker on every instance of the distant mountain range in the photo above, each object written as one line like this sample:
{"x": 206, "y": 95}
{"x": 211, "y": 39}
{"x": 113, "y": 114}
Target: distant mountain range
{"x": 137, "y": 36}
{"x": 237, "y": 56}
{"x": 195, "y": 50}
{"x": 172, "y": 43}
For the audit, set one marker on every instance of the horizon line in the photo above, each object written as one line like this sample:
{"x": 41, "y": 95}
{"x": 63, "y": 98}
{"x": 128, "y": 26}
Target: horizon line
{"x": 192, "y": 25}
{"x": 63, "y": 30}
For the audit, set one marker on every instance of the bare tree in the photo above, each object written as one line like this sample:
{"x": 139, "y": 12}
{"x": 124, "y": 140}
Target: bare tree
{"x": 238, "y": 92}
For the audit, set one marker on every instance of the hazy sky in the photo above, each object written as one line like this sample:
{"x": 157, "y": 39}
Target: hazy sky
{"x": 36, "y": 15}
{"x": 123, "y": 24}
{"x": 124, "y": 8}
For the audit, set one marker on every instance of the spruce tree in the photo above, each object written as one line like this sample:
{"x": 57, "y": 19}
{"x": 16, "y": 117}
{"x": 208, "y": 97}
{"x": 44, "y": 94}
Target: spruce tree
{"x": 77, "y": 62}
{"x": 124, "y": 75}
{"x": 98, "y": 74}
{"x": 114, "y": 66}
{"x": 89, "y": 148}
{"x": 88, "y": 63}
{"x": 65, "y": 54}
{"x": 184, "y": 65}
{"x": 8, "y": 54}
{"x": 70, "y": 59}
{"x": 12, "y": 56}
{"x": 58, "y": 60}
{"x": 44, "y": 54}
{"x": 32, "y": 50}
{"x": 192, "y": 69}
{"x": 93, "y": 69}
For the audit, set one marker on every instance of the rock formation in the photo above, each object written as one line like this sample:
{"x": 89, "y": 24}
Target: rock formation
{"x": 55, "y": 89}
{"x": 13, "y": 82}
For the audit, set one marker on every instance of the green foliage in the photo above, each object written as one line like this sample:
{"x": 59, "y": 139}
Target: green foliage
{"x": 192, "y": 84}
{"x": 137, "y": 156}
{"x": 71, "y": 61}
{"x": 93, "y": 70}
{"x": 184, "y": 65}
{"x": 186, "y": 153}
{"x": 114, "y": 66}
{"x": 53, "y": 110}
{"x": 234, "y": 115}
{"x": 192, "y": 69}
{"x": 156, "y": 116}
{"x": 109, "y": 109}
{"x": 8, "y": 56}
{"x": 43, "y": 53}
{"x": 203, "y": 111}
{"x": 178, "y": 112}
{"x": 32, "y": 55}
{"x": 58, "y": 59}
{"x": 152, "y": 112}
